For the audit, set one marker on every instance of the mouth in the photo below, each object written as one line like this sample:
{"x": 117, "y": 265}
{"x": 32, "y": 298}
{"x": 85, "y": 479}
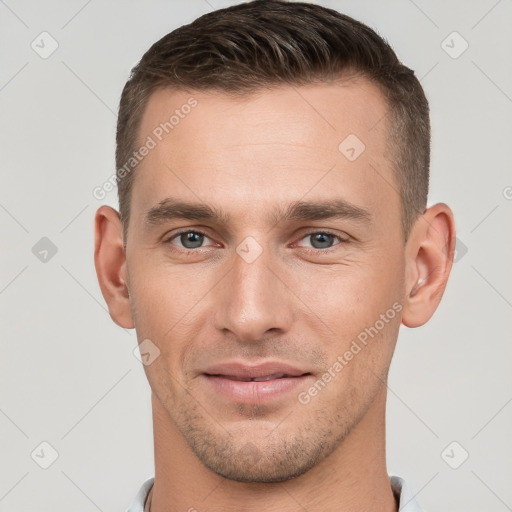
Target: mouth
{"x": 241, "y": 383}
{"x": 257, "y": 379}
{"x": 268, "y": 370}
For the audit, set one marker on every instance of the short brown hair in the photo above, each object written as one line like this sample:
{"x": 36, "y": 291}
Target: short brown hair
{"x": 265, "y": 43}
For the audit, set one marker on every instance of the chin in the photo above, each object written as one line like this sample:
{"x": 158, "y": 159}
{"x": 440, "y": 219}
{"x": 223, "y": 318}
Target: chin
{"x": 263, "y": 474}
{"x": 253, "y": 463}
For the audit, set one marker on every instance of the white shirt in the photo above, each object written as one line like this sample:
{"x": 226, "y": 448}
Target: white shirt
{"x": 398, "y": 485}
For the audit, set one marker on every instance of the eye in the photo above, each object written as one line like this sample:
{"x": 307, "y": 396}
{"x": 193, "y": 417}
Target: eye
{"x": 321, "y": 240}
{"x": 188, "y": 239}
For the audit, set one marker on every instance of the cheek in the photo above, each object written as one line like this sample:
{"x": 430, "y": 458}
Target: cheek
{"x": 166, "y": 301}
{"x": 165, "y": 308}
{"x": 355, "y": 312}
{"x": 352, "y": 294}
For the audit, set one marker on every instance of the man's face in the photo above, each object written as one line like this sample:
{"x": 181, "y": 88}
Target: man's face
{"x": 262, "y": 286}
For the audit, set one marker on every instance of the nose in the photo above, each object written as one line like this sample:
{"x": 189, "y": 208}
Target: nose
{"x": 254, "y": 299}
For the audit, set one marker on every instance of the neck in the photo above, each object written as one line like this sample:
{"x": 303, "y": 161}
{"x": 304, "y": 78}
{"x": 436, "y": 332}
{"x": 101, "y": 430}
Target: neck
{"x": 352, "y": 479}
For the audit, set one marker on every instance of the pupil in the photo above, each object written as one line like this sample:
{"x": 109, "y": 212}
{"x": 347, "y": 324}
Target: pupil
{"x": 323, "y": 239}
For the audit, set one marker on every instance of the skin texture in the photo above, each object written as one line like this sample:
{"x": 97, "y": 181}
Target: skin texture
{"x": 295, "y": 302}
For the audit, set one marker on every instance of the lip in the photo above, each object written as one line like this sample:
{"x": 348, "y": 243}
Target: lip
{"x": 222, "y": 381}
{"x": 245, "y": 371}
{"x": 254, "y": 392}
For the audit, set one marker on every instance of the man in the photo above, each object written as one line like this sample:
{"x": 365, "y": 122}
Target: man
{"x": 273, "y": 235}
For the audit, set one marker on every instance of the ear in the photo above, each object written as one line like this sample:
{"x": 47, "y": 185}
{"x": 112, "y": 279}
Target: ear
{"x": 110, "y": 263}
{"x": 429, "y": 258}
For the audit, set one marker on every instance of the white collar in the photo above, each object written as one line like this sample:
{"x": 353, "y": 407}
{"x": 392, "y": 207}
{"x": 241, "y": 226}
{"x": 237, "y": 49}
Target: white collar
{"x": 398, "y": 485}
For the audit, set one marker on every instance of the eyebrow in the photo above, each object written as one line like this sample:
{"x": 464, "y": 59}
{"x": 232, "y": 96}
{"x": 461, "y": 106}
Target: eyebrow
{"x": 171, "y": 208}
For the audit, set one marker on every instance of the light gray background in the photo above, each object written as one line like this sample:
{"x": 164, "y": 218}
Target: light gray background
{"x": 68, "y": 375}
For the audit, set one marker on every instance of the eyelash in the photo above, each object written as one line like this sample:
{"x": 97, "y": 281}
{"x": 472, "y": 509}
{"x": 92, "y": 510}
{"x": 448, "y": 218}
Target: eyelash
{"x": 307, "y": 249}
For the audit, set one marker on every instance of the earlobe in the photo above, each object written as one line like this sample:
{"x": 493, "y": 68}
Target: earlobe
{"x": 110, "y": 263}
{"x": 429, "y": 258}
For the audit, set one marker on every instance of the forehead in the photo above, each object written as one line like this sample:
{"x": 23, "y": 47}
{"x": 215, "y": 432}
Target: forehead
{"x": 277, "y": 144}
{"x": 315, "y": 112}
